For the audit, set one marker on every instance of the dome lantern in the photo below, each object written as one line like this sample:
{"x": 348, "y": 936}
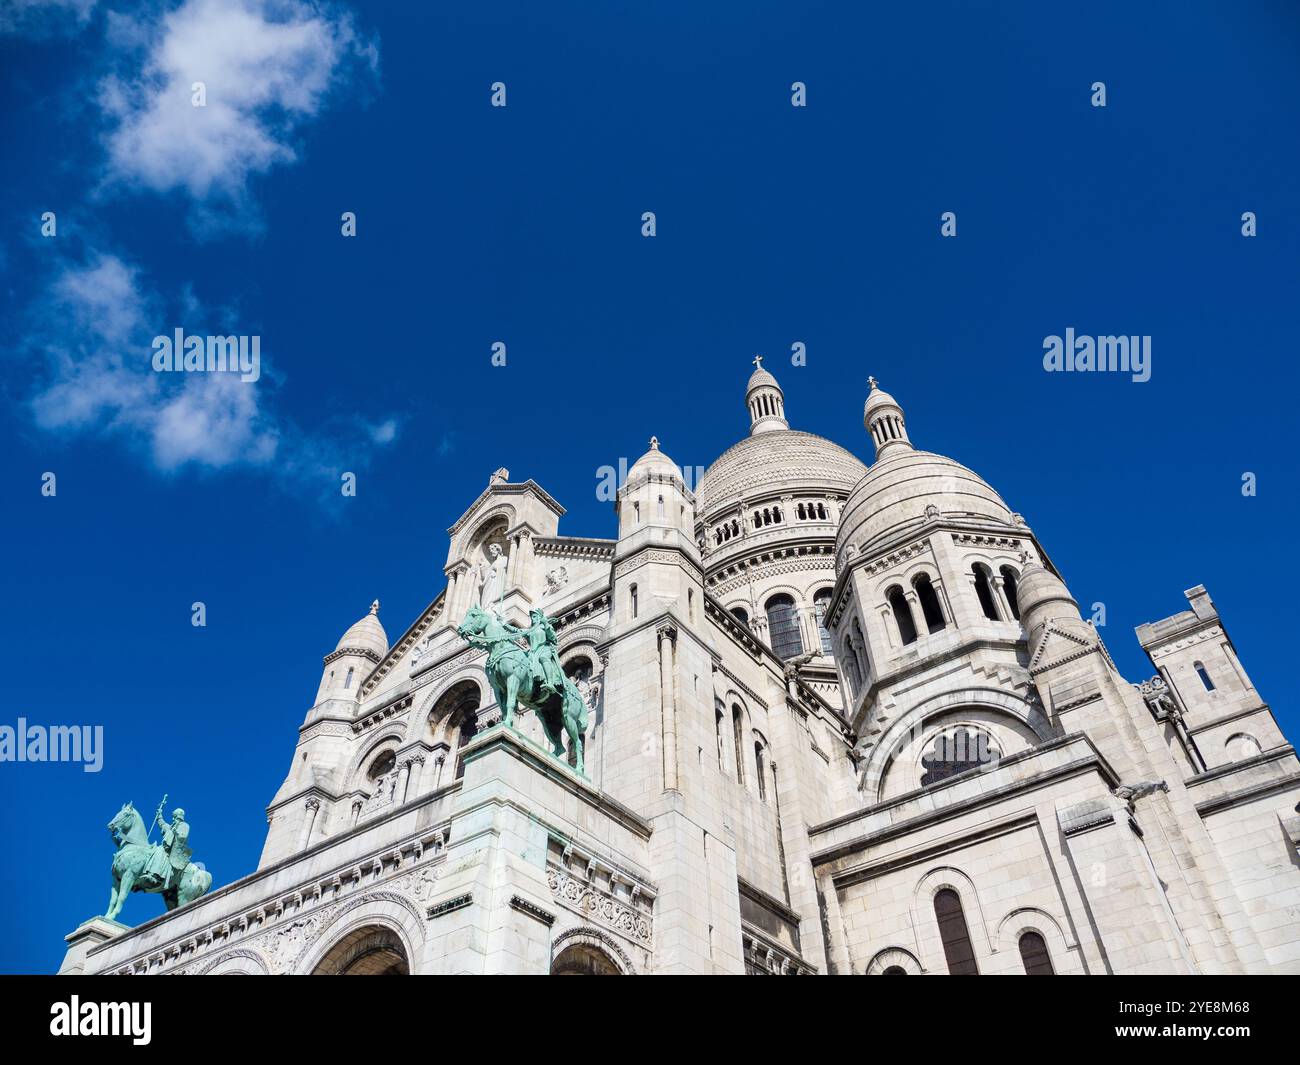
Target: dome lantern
{"x": 883, "y": 418}
{"x": 765, "y": 400}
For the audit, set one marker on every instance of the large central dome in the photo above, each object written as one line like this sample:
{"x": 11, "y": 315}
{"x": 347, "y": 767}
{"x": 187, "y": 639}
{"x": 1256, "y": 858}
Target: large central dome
{"x": 771, "y": 461}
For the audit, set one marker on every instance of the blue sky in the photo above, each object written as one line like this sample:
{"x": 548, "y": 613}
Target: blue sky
{"x": 522, "y": 224}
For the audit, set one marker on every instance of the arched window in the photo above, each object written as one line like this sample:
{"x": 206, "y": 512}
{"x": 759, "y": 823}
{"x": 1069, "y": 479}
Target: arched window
{"x": 783, "y": 627}
{"x": 738, "y": 730}
{"x": 634, "y": 602}
{"x": 902, "y": 615}
{"x": 636, "y": 513}
{"x": 330, "y": 683}
{"x": 1033, "y": 953}
{"x": 957, "y": 947}
{"x": 858, "y": 644}
{"x": 984, "y": 590}
{"x": 662, "y": 515}
{"x": 759, "y": 775}
{"x": 929, "y": 600}
{"x": 956, "y": 752}
{"x": 718, "y": 716}
{"x": 821, "y": 511}
{"x": 1009, "y": 587}
{"x": 894, "y": 970}
{"x": 466, "y": 729}
{"x": 1205, "y": 677}
{"x": 578, "y": 669}
{"x": 821, "y": 601}
{"x": 740, "y": 614}
{"x": 799, "y": 512}
{"x": 381, "y": 765}
{"x": 690, "y": 605}
{"x": 347, "y": 683}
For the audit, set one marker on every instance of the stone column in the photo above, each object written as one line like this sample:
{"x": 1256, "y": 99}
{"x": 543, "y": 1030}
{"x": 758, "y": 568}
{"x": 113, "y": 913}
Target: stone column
{"x": 356, "y": 812}
{"x": 1000, "y": 597}
{"x": 308, "y": 823}
{"x": 403, "y": 780}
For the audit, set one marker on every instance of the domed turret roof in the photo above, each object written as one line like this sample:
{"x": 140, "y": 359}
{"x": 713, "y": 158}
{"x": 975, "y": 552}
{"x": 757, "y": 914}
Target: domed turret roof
{"x": 760, "y": 378}
{"x": 366, "y": 635}
{"x": 898, "y": 489}
{"x": 654, "y": 461}
{"x": 786, "y": 458}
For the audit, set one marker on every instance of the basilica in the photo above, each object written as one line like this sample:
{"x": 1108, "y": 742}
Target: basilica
{"x": 841, "y": 719}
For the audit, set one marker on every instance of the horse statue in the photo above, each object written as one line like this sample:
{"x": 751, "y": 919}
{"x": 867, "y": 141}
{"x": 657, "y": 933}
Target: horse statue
{"x": 531, "y": 678}
{"x": 158, "y": 868}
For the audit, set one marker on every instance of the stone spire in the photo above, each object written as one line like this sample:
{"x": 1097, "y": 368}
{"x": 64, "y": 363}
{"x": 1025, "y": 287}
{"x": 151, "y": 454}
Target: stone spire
{"x": 765, "y": 400}
{"x": 883, "y": 418}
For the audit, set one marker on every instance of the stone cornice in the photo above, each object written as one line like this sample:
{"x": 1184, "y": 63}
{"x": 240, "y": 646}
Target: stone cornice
{"x": 574, "y": 547}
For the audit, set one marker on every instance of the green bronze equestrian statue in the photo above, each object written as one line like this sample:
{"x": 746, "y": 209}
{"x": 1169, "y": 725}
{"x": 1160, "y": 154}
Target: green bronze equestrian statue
{"x": 531, "y": 677}
{"x": 158, "y": 868}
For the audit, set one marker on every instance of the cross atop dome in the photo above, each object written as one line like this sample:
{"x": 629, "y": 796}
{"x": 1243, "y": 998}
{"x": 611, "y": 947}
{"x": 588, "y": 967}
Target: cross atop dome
{"x": 873, "y": 383}
{"x": 654, "y": 443}
{"x": 758, "y": 361}
{"x": 374, "y": 608}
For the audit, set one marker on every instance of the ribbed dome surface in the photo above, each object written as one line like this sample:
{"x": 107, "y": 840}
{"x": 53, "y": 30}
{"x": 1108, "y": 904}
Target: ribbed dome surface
{"x": 366, "y": 635}
{"x": 897, "y": 490}
{"x": 783, "y": 459}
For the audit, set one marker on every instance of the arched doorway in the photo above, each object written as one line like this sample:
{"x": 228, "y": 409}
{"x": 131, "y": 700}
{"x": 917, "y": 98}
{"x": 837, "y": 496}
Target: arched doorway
{"x": 370, "y": 951}
{"x": 583, "y": 959}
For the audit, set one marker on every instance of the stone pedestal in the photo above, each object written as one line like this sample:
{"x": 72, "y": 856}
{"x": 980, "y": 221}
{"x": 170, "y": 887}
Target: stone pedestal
{"x": 88, "y": 935}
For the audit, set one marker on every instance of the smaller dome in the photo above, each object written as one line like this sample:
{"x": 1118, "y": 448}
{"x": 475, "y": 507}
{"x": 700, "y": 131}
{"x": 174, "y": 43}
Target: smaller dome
{"x": 897, "y": 493}
{"x": 1042, "y": 597}
{"x": 760, "y": 378}
{"x": 876, "y": 400}
{"x": 366, "y": 635}
{"x": 654, "y": 461}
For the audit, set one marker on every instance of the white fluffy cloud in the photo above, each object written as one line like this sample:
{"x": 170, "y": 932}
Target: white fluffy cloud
{"x": 95, "y": 330}
{"x": 267, "y": 67}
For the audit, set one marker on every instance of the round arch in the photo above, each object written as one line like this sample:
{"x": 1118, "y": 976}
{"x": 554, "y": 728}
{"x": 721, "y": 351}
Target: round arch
{"x": 981, "y": 705}
{"x": 588, "y": 952}
{"x": 382, "y": 926}
{"x": 893, "y": 958}
{"x": 241, "y": 962}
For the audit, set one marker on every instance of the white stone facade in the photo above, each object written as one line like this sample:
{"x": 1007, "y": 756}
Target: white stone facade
{"x": 842, "y": 720}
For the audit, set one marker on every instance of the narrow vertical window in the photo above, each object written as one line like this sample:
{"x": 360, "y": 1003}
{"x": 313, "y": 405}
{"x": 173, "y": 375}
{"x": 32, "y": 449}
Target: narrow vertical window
{"x": 633, "y": 596}
{"x": 738, "y": 730}
{"x": 718, "y": 731}
{"x": 1009, "y": 586}
{"x": 821, "y": 601}
{"x": 984, "y": 591}
{"x": 759, "y": 775}
{"x": 902, "y": 615}
{"x": 957, "y": 947}
{"x": 661, "y": 508}
{"x": 347, "y": 683}
{"x": 1205, "y": 677}
{"x": 929, "y": 600}
{"x": 1033, "y": 953}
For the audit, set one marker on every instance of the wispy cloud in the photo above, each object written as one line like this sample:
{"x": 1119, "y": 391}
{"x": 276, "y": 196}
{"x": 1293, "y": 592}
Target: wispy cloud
{"x": 267, "y": 67}
{"x": 40, "y": 18}
{"x": 93, "y": 333}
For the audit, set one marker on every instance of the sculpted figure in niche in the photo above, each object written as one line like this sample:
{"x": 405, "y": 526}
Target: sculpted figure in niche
{"x": 492, "y": 579}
